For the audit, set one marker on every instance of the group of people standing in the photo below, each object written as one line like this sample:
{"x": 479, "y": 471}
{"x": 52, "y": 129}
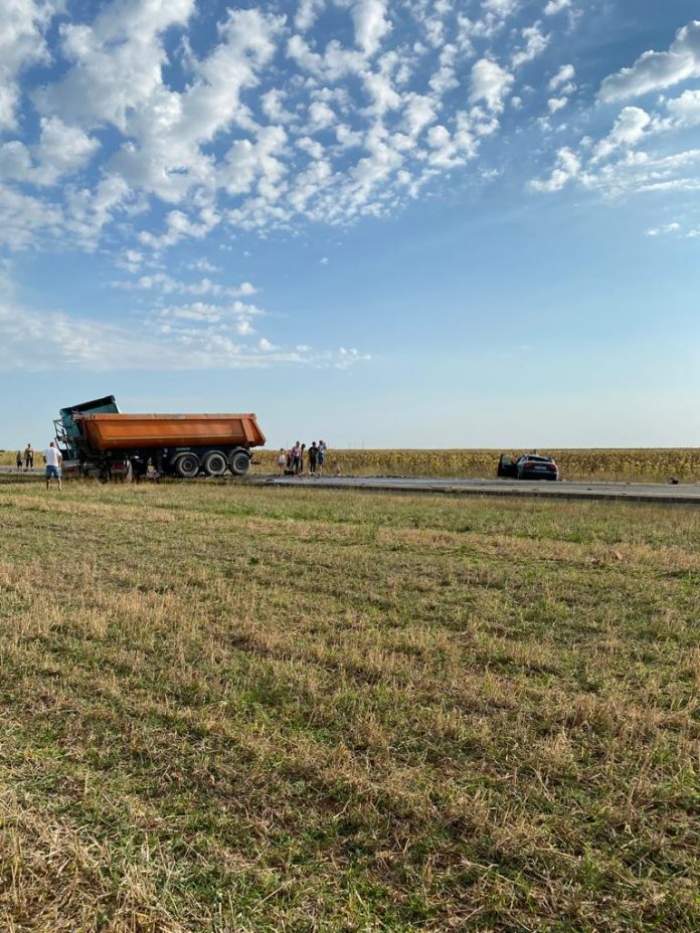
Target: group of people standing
{"x": 293, "y": 462}
{"x": 27, "y": 457}
{"x": 53, "y": 460}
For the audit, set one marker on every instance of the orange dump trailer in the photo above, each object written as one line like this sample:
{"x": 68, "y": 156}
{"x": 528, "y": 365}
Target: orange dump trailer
{"x": 104, "y": 441}
{"x": 119, "y": 432}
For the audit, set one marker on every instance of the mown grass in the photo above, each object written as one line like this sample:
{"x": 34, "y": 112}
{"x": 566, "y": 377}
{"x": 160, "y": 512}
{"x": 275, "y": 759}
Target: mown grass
{"x": 231, "y": 708}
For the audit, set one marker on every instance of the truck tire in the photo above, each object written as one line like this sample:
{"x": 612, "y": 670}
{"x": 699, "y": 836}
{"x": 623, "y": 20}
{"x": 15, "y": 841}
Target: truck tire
{"x": 215, "y": 463}
{"x": 187, "y": 466}
{"x": 239, "y": 461}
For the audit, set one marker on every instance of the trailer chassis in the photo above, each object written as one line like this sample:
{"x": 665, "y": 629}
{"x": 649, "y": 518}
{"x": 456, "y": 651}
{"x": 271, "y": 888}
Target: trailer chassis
{"x": 179, "y": 462}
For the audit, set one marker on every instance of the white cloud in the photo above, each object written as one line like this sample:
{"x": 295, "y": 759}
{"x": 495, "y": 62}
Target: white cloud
{"x": 535, "y": 44}
{"x": 117, "y": 78}
{"x": 371, "y": 23}
{"x": 348, "y": 138}
{"x": 247, "y": 164}
{"x": 565, "y": 75}
{"x": 494, "y": 15}
{"x": 22, "y": 43}
{"x": 490, "y": 83}
{"x": 260, "y": 122}
{"x": 664, "y": 230}
{"x": 654, "y": 71}
{"x": 685, "y": 109}
{"x": 445, "y": 78}
{"x": 626, "y": 172}
{"x": 249, "y": 42}
{"x": 131, "y": 260}
{"x": 554, "y": 104}
{"x": 628, "y": 131}
{"x": 321, "y": 115}
{"x": 179, "y": 225}
{"x": 166, "y": 284}
{"x": 24, "y": 218}
{"x": 645, "y": 174}
{"x": 15, "y": 161}
{"x": 556, "y": 6}
{"x": 117, "y": 62}
{"x": 312, "y": 147}
{"x": 203, "y": 265}
{"x": 419, "y": 111}
{"x": 35, "y": 341}
{"x": 641, "y": 153}
{"x": 87, "y": 211}
{"x": 567, "y": 167}
{"x": 500, "y": 8}
{"x": 273, "y": 106}
{"x": 335, "y": 63}
{"x": 237, "y": 317}
{"x": 307, "y": 13}
{"x": 62, "y": 150}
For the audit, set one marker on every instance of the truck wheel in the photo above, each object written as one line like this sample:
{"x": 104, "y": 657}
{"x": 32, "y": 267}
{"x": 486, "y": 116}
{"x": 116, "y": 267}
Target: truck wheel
{"x": 239, "y": 462}
{"x": 187, "y": 466}
{"x": 215, "y": 463}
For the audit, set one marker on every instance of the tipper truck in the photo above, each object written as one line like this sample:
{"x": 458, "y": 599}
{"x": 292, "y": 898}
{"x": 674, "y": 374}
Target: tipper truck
{"x": 97, "y": 439}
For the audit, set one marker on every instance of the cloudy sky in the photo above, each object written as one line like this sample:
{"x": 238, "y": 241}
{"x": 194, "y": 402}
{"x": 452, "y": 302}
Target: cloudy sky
{"x": 389, "y": 222}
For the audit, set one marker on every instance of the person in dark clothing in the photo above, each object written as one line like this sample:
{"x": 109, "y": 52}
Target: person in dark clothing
{"x": 300, "y": 460}
{"x": 313, "y": 458}
{"x": 18, "y": 461}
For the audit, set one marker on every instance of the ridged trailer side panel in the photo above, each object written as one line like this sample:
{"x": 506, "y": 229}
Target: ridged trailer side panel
{"x": 105, "y": 432}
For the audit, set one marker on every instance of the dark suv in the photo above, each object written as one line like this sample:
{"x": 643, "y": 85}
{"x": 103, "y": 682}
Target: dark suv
{"x": 529, "y": 466}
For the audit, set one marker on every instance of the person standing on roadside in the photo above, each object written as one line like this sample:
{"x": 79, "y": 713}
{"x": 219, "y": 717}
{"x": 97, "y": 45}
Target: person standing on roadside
{"x": 282, "y": 461}
{"x": 18, "y": 461}
{"x": 321, "y": 456}
{"x": 28, "y": 457}
{"x": 300, "y": 461}
{"x": 53, "y": 464}
{"x": 313, "y": 458}
{"x": 296, "y": 452}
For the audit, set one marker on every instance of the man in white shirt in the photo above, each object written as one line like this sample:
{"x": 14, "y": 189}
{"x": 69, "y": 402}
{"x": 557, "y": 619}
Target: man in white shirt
{"x": 53, "y": 464}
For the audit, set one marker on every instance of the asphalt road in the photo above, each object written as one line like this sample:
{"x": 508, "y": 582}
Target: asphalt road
{"x": 634, "y": 492}
{"x": 683, "y": 494}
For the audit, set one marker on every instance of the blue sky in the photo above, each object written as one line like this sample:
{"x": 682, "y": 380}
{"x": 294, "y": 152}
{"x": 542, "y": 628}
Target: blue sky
{"x": 386, "y": 223}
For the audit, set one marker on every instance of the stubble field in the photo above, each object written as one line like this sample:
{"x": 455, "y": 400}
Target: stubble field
{"x": 230, "y": 708}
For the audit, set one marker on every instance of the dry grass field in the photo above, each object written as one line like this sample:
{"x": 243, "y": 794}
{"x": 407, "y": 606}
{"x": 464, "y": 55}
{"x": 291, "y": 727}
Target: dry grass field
{"x": 644, "y": 465}
{"x": 249, "y": 709}
{"x": 8, "y": 458}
